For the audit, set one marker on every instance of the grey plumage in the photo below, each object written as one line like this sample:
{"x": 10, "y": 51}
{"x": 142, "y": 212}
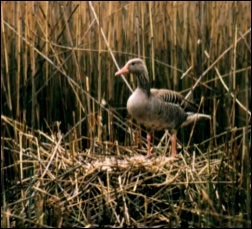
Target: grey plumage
{"x": 157, "y": 109}
{"x": 154, "y": 112}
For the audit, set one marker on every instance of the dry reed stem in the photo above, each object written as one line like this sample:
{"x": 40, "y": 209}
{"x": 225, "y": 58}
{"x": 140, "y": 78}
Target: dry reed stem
{"x": 70, "y": 80}
{"x": 215, "y": 62}
{"x": 112, "y": 167}
{"x": 107, "y": 44}
{"x": 6, "y": 61}
{"x": 98, "y": 185}
{"x": 227, "y": 89}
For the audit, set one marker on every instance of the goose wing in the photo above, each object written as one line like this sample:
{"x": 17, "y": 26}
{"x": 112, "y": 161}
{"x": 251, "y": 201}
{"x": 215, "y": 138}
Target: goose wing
{"x": 174, "y": 97}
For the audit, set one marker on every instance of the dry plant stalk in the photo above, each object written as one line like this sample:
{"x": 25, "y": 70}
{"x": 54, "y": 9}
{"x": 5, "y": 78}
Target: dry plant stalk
{"x": 115, "y": 190}
{"x": 70, "y": 155}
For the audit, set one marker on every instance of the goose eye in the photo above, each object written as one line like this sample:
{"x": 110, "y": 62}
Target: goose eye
{"x": 133, "y": 64}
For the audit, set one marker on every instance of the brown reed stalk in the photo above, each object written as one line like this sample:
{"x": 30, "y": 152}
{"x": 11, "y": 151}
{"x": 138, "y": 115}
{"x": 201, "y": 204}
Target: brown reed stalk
{"x": 99, "y": 88}
{"x": 77, "y": 70}
{"x": 235, "y": 11}
{"x": 108, "y": 46}
{"x": 47, "y": 20}
{"x": 174, "y": 51}
{"x": 18, "y": 58}
{"x": 25, "y": 58}
{"x": 137, "y": 32}
{"x": 152, "y": 42}
{"x": 214, "y": 63}
{"x": 110, "y": 78}
{"x": 208, "y": 182}
{"x": 142, "y": 5}
{"x": 6, "y": 60}
{"x": 89, "y": 112}
{"x": 33, "y": 68}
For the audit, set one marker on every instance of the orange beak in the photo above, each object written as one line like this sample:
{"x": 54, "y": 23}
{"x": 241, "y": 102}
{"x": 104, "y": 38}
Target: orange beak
{"x": 123, "y": 70}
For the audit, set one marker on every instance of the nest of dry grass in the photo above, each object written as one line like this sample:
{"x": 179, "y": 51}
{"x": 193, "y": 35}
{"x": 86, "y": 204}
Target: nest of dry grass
{"x": 48, "y": 185}
{"x": 58, "y": 63}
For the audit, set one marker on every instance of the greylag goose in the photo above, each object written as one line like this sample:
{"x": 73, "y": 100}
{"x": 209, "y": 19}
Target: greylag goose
{"x": 157, "y": 109}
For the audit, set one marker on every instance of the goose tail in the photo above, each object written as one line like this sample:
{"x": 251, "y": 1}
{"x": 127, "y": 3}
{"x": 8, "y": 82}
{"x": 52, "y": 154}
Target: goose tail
{"x": 194, "y": 117}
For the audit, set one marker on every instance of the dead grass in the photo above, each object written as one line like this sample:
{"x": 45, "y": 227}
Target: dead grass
{"x": 70, "y": 156}
{"x": 114, "y": 186}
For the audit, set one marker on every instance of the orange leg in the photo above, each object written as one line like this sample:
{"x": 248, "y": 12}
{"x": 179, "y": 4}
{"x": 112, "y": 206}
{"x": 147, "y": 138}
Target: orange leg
{"x": 148, "y": 142}
{"x": 173, "y": 145}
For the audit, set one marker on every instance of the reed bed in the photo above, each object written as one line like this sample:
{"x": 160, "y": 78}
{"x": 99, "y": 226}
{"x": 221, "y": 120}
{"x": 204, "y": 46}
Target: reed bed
{"x": 56, "y": 186}
{"x": 70, "y": 155}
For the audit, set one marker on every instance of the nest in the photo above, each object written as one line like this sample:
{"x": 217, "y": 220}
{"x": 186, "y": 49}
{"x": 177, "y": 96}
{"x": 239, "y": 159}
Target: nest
{"x": 47, "y": 184}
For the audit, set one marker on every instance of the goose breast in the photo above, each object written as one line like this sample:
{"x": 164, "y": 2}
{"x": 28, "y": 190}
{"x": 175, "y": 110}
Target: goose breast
{"x": 153, "y": 112}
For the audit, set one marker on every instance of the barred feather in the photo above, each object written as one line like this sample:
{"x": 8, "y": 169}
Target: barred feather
{"x": 157, "y": 109}
{"x": 174, "y": 97}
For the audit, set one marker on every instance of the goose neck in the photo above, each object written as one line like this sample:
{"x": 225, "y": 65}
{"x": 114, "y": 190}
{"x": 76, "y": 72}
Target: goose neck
{"x": 144, "y": 82}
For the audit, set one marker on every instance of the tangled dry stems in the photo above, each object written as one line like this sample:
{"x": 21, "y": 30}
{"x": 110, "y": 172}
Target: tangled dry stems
{"x": 88, "y": 189}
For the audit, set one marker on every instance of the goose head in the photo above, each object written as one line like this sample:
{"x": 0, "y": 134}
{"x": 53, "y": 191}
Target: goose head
{"x": 134, "y": 66}
{"x": 137, "y": 67}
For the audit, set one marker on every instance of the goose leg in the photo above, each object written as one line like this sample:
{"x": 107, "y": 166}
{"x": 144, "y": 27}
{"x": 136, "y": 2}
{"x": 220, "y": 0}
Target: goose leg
{"x": 173, "y": 145}
{"x": 148, "y": 142}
